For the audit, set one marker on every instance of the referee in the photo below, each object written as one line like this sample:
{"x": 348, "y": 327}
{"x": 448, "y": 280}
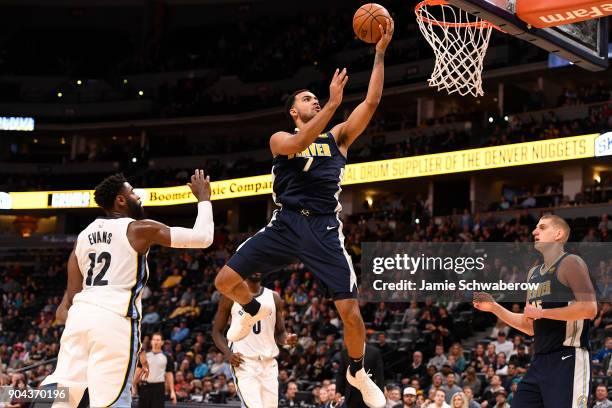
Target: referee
{"x": 152, "y": 389}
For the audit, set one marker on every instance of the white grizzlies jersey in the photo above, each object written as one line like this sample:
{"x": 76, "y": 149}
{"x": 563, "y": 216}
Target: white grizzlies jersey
{"x": 260, "y": 342}
{"x": 114, "y": 274}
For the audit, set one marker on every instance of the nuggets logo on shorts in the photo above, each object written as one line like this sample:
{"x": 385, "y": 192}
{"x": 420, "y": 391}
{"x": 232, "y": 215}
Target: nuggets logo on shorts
{"x": 581, "y": 401}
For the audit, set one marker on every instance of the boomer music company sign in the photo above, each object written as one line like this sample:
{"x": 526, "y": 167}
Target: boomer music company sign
{"x": 224, "y": 189}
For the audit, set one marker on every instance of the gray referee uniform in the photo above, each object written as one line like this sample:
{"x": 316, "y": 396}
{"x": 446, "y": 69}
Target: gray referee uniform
{"x": 152, "y": 391}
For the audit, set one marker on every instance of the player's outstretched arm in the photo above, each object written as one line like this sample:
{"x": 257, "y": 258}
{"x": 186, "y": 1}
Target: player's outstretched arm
{"x": 280, "y": 331}
{"x": 486, "y": 303}
{"x": 573, "y": 273}
{"x": 285, "y": 143}
{"x": 220, "y": 321}
{"x": 346, "y": 132}
{"x": 145, "y": 233}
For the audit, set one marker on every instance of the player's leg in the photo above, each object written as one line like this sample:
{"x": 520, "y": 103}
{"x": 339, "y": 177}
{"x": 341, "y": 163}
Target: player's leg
{"x": 269, "y": 384}
{"x": 271, "y": 248}
{"x": 323, "y": 252}
{"x": 71, "y": 368}
{"x": 114, "y": 345}
{"x": 248, "y": 383}
{"x": 529, "y": 394}
{"x": 569, "y": 387}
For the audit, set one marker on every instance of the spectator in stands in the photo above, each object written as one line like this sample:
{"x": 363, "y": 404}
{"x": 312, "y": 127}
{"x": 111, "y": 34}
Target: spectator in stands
{"x": 416, "y": 367}
{"x": 601, "y": 397}
{"x": 180, "y": 333}
{"x": 409, "y": 398}
{"x": 605, "y": 223}
{"x": 288, "y": 400}
{"x": 471, "y": 380}
{"x": 603, "y": 352}
{"x": 500, "y": 399}
{"x": 456, "y": 351}
{"x": 459, "y": 400}
{"x": 201, "y": 368}
{"x": 439, "y": 358}
{"x": 382, "y": 345}
{"x": 501, "y": 367}
{"x": 231, "y": 394}
{"x": 490, "y": 394}
{"x": 502, "y": 344}
{"x": 450, "y": 388}
{"x": 439, "y": 400}
{"x": 470, "y": 395}
{"x": 520, "y": 359}
{"x": 393, "y": 395}
{"x": 220, "y": 366}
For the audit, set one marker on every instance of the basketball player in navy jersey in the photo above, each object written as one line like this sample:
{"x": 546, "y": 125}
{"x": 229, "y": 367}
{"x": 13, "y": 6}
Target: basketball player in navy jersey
{"x": 558, "y": 315}
{"x": 307, "y": 170}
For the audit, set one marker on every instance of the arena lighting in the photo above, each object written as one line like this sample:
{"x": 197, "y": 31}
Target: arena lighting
{"x": 506, "y": 118}
{"x": 417, "y": 221}
{"x": 140, "y": 93}
{"x": 490, "y": 119}
{"x": 59, "y": 94}
{"x": 125, "y": 81}
{"x": 16, "y": 123}
{"x": 134, "y": 160}
{"x": 484, "y": 158}
{"x": 79, "y": 82}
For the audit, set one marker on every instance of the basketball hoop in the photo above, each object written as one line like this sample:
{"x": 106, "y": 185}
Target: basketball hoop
{"x": 459, "y": 41}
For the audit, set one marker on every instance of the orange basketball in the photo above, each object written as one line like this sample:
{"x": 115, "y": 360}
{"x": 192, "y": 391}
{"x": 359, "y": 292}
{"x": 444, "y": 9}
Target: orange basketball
{"x": 366, "y": 21}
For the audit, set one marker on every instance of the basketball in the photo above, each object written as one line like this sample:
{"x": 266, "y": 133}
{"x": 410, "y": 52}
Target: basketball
{"x": 366, "y": 21}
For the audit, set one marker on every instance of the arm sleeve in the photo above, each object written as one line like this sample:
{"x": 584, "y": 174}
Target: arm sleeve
{"x": 202, "y": 233}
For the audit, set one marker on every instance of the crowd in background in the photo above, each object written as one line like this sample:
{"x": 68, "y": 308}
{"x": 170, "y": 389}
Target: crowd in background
{"x": 414, "y": 142}
{"x": 430, "y": 348}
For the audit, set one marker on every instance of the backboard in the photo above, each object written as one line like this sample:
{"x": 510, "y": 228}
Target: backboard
{"x": 584, "y": 44}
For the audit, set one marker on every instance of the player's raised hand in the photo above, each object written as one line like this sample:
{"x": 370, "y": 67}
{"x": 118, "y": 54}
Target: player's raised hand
{"x": 532, "y": 312}
{"x": 336, "y": 87}
{"x": 200, "y": 185}
{"x": 386, "y": 35}
{"x": 483, "y": 301}
{"x": 235, "y": 359}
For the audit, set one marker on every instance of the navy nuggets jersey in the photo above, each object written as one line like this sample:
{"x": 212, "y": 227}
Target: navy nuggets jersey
{"x": 310, "y": 180}
{"x": 552, "y": 335}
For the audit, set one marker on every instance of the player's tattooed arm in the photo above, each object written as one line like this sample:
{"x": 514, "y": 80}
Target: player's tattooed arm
{"x": 346, "y": 132}
{"x": 573, "y": 273}
{"x": 280, "y": 331}
{"x": 220, "y": 322}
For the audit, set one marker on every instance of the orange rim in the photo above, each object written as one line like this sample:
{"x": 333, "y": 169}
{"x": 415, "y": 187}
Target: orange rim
{"x": 482, "y": 24}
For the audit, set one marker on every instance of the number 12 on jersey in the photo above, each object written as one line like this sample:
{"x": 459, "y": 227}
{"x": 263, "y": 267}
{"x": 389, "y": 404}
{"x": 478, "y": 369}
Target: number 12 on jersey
{"x": 99, "y": 280}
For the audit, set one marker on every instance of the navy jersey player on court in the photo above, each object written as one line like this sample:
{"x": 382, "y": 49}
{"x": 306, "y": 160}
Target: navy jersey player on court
{"x": 558, "y": 315}
{"x": 107, "y": 271}
{"x": 253, "y": 358}
{"x": 307, "y": 170}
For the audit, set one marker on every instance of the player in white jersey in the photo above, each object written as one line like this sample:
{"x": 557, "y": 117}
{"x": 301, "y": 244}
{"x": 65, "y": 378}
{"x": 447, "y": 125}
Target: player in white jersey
{"x": 107, "y": 271}
{"x": 253, "y": 358}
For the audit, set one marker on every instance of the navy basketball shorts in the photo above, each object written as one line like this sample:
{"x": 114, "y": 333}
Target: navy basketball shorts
{"x": 556, "y": 380}
{"x": 316, "y": 240}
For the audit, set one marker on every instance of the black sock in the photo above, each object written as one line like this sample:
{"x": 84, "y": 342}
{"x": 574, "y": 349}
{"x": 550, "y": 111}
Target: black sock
{"x": 252, "y": 307}
{"x": 355, "y": 365}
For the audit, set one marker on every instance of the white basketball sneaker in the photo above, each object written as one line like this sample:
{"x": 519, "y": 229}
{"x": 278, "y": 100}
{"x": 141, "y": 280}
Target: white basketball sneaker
{"x": 241, "y": 325}
{"x": 371, "y": 394}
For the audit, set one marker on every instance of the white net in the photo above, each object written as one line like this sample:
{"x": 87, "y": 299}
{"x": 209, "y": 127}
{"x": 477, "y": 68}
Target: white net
{"x": 459, "y": 41}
